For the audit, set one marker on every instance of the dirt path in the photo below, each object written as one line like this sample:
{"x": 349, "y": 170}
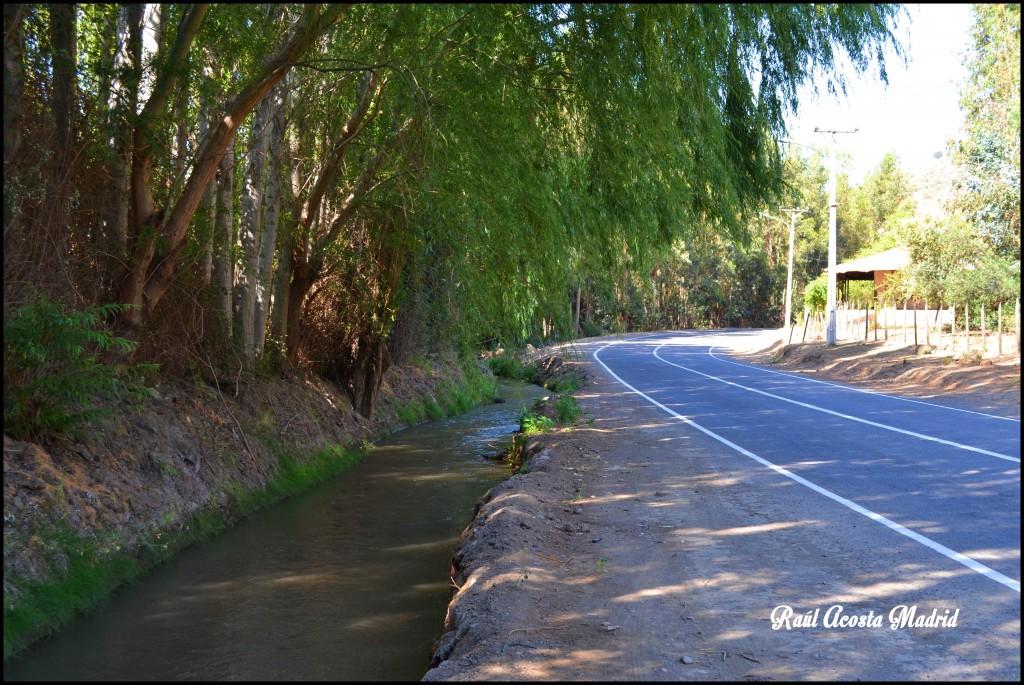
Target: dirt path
{"x": 625, "y": 553}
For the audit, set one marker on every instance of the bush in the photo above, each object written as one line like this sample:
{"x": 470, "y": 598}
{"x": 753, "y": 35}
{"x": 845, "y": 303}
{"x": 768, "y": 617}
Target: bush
{"x": 568, "y": 410}
{"x": 531, "y": 423}
{"x": 53, "y": 375}
{"x": 590, "y": 329}
{"x": 507, "y": 366}
{"x": 816, "y": 294}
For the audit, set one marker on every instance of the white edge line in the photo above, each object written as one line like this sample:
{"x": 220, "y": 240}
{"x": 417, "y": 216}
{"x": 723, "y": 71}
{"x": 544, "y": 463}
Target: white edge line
{"x": 875, "y": 424}
{"x": 863, "y": 390}
{"x": 902, "y": 530}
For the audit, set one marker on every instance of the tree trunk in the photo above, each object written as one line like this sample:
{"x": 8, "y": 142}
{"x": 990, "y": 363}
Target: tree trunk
{"x": 153, "y": 30}
{"x": 123, "y": 102}
{"x": 367, "y": 373}
{"x": 224, "y": 239}
{"x": 271, "y": 215}
{"x": 250, "y": 220}
{"x": 63, "y": 61}
{"x": 14, "y": 52}
{"x": 286, "y": 249}
{"x": 207, "y": 214}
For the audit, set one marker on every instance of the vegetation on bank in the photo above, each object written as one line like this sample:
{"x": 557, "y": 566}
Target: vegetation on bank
{"x": 545, "y": 414}
{"x": 86, "y": 566}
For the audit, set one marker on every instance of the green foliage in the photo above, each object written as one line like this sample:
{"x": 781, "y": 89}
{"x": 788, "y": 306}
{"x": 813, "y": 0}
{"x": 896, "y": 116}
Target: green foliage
{"x": 568, "y": 383}
{"x": 506, "y": 365}
{"x": 411, "y": 412}
{"x": 53, "y": 373}
{"x": 590, "y": 329}
{"x": 530, "y": 423}
{"x": 990, "y": 154}
{"x": 816, "y": 294}
{"x": 548, "y": 145}
{"x": 433, "y": 409}
{"x": 951, "y": 262}
{"x": 568, "y": 410}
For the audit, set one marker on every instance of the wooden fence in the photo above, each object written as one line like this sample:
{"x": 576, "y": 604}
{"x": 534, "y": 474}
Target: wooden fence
{"x": 940, "y": 329}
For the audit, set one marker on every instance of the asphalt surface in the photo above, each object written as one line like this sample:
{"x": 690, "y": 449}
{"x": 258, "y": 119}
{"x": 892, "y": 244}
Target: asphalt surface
{"x": 916, "y": 503}
{"x": 946, "y": 477}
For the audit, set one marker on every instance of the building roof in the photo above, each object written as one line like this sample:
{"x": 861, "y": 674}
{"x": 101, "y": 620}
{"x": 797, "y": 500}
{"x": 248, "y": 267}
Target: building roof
{"x": 891, "y": 260}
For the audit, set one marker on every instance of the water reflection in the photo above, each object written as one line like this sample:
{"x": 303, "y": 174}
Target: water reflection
{"x": 347, "y": 582}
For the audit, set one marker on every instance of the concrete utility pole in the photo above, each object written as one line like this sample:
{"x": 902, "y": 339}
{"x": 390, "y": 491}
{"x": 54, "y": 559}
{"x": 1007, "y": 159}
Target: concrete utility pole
{"x": 830, "y": 307}
{"x": 793, "y": 214}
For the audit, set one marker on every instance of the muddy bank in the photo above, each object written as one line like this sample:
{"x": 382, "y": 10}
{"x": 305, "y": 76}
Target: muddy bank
{"x": 83, "y": 516}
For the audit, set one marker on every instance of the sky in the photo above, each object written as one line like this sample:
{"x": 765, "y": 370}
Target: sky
{"x": 918, "y": 111}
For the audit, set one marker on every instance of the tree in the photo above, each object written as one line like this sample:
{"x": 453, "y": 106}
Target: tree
{"x": 149, "y": 274}
{"x": 990, "y": 154}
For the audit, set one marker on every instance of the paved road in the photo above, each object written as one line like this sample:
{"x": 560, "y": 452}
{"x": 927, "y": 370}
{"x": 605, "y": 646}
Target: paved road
{"x": 921, "y": 502}
{"x": 948, "y": 478}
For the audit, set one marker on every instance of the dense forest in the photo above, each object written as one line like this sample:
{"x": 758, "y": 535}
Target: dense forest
{"x": 338, "y": 187}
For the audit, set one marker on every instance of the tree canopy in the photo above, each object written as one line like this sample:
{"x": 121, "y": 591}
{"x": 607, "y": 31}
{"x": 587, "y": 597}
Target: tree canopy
{"x": 344, "y": 184}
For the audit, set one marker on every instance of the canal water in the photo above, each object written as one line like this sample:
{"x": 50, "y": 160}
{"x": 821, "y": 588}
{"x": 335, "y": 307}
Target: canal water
{"x": 349, "y": 581}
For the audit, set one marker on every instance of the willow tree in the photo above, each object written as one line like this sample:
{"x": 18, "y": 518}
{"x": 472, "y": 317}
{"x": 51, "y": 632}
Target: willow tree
{"x": 585, "y": 137}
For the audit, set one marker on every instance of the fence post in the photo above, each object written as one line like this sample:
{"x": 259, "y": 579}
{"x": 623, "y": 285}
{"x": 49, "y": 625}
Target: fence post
{"x": 866, "y": 304}
{"x": 927, "y": 331}
{"x": 885, "y": 320}
{"x": 999, "y": 334}
{"x": 875, "y": 326}
{"x": 1016, "y": 321}
{"x": 967, "y": 326}
{"x": 807, "y": 320}
{"x": 904, "y": 322}
{"x": 952, "y": 330}
{"x": 915, "y": 329}
{"x": 984, "y": 339}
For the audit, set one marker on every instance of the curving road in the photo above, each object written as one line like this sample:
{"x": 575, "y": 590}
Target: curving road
{"x": 775, "y": 490}
{"x": 947, "y": 478}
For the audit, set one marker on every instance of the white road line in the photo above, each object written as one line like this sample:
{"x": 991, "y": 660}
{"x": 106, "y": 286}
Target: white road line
{"x": 868, "y": 392}
{"x": 883, "y": 426}
{"x": 902, "y": 530}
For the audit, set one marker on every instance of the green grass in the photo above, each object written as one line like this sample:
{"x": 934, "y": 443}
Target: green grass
{"x": 412, "y": 412}
{"x": 92, "y": 570}
{"x": 433, "y": 409}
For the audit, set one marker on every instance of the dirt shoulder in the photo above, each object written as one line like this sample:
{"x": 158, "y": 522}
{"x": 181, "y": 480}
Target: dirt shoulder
{"x": 990, "y": 383}
{"x": 601, "y": 561}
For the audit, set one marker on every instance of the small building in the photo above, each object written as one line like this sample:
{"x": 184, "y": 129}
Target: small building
{"x": 876, "y": 267}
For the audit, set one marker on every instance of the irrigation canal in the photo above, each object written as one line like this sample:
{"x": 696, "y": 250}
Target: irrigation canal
{"x": 349, "y": 581}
